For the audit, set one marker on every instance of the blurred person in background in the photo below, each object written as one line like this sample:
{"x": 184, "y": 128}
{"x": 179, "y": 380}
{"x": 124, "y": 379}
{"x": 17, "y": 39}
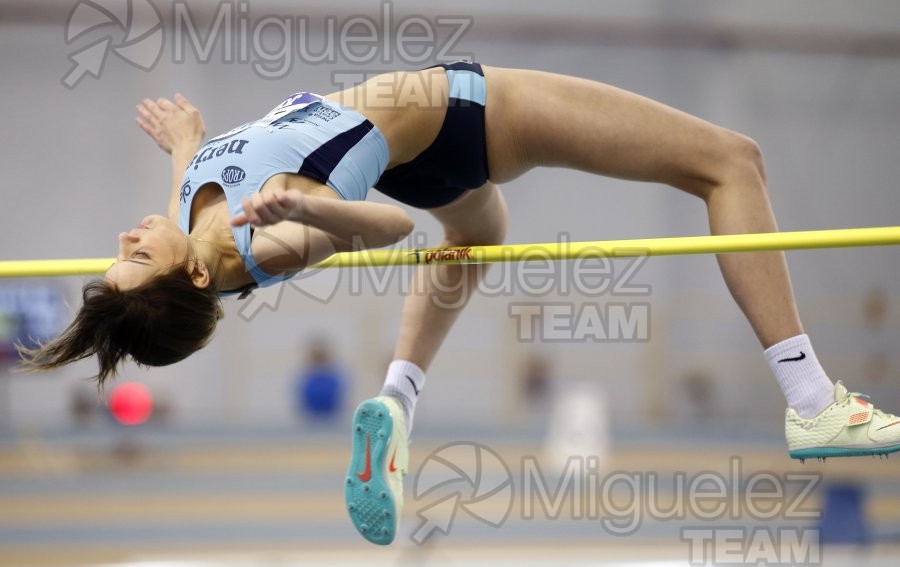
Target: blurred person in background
{"x": 320, "y": 386}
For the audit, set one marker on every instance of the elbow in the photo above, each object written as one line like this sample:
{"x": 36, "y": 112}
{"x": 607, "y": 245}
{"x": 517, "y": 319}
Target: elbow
{"x": 406, "y": 226}
{"x": 399, "y": 229}
{"x": 395, "y": 231}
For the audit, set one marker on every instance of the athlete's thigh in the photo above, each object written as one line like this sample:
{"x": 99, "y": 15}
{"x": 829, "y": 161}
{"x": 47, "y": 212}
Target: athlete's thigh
{"x": 476, "y": 217}
{"x": 545, "y": 119}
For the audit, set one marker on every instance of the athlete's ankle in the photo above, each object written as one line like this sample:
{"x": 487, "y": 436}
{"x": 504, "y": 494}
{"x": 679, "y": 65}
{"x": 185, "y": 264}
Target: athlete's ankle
{"x": 806, "y": 387}
{"x": 404, "y": 382}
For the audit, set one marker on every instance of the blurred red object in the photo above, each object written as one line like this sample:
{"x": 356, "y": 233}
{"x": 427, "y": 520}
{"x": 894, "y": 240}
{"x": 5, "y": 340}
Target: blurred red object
{"x": 131, "y": 403}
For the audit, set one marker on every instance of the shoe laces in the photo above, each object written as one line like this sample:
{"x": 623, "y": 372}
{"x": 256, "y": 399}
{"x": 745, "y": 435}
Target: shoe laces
{"x": 875, "y": 411}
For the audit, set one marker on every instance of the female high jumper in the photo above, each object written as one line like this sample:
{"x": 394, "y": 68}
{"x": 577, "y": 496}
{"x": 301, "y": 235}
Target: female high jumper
{"x": 256, "y": 205}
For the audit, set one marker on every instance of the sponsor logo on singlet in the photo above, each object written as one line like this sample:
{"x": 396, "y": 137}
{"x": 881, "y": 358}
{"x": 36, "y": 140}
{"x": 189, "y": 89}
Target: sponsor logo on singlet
{"x": 325, "y": 114}
{"x": 232, "y": 175}
{"x": 185, "y": 191}
{"x": 214, "y": 151}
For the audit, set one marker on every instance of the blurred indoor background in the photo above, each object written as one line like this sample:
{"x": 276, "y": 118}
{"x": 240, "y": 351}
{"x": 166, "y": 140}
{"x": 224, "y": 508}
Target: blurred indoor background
{"x": 242, "y": 457}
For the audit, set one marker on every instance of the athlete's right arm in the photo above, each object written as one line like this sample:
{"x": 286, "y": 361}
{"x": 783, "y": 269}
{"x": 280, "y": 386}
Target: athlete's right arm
{"x": 177, "y": 127}
{"x": 362, "y": 224}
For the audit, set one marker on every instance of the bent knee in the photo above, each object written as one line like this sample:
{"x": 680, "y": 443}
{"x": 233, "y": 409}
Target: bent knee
{"x": 738, "y": 165}
{"x": 747, "y": 158}
{"x": 489, "y": 234}
{"x": 478, "y": 219}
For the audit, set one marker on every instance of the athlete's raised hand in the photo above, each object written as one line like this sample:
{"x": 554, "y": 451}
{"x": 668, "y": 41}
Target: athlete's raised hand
{"x": 171, "y": 124}
{"x": 269, "y": 207}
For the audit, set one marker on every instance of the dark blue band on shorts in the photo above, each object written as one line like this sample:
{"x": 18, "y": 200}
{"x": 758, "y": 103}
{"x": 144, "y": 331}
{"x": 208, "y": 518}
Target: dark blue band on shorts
{"x": 457, "y": 159}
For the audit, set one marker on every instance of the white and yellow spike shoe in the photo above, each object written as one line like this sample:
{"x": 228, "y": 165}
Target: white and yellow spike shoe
{"x": 373, "y": 489}
{"x": 849, "y": 427}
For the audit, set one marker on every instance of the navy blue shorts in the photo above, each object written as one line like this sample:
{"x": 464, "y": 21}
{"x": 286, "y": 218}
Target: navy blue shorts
{"x": 457, "y": 159}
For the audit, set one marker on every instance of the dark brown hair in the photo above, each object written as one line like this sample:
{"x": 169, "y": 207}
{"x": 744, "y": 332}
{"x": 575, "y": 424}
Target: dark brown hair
{"x": 158, "y": 323}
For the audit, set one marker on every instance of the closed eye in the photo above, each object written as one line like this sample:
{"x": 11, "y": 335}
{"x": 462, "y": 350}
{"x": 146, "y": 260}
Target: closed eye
{"x": 141, "y": 254}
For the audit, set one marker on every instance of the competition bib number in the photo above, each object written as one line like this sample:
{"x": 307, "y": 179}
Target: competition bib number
{"x": 293, "y": 103}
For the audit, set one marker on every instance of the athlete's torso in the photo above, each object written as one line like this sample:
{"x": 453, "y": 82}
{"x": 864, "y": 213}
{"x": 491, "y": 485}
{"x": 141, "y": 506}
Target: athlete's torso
{"x": 305, "y": 136}
{"x": 341, "y": 142}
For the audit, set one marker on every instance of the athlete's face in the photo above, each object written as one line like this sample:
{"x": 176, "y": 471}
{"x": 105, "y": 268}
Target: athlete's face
{"x": 152, "y": 247}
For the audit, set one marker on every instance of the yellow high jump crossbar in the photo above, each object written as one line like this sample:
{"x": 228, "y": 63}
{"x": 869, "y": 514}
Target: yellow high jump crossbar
{"x": 836, "y": 238}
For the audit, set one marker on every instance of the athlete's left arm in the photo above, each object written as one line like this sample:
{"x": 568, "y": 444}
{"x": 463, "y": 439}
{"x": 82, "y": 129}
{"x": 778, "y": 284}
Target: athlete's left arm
{"x": 177, "y": 127}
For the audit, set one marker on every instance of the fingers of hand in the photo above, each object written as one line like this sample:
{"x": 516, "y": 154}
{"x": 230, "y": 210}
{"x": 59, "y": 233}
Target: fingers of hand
{"x": 249, "y": 212}
{"x": 281, "y": 196}
{"x": 272, "y": 209}
{"x": 184, "y": 103}
{"x": 148, "y": 117}
{"x": 254, "y": 212}
{"x": 162, "y": 111}
{"x": 239, "y": 219}
{"x": 152, "y": 108}
{"x": 145, "y": 126}
{"x": 165, "y": 104}
{"x": 263, "y": 209}
{"x": 289, "y": 200}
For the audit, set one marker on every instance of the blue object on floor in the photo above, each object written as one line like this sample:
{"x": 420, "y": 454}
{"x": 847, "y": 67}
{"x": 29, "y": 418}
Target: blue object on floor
{"x": 843, "y": 514}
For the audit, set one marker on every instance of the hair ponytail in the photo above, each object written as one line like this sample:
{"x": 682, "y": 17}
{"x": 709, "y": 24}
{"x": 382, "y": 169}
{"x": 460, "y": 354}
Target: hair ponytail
{"x": 157, "y": 323}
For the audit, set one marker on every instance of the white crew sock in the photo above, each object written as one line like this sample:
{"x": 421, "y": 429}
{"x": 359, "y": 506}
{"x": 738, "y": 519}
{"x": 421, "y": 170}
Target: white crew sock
{"x": 404, "y": 381}
{"x": 806, "y": 387}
